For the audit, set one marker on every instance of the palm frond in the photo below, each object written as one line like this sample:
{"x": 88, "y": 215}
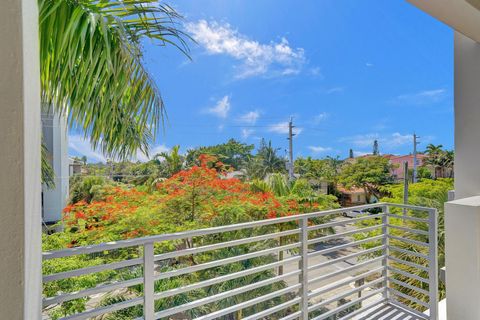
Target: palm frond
{"x": 92, "y": 70}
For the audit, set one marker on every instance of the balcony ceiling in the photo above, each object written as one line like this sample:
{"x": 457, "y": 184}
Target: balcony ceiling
{"x": 462, "y": 15}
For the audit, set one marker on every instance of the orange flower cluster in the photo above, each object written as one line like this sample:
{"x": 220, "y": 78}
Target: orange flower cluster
{"x": 198, "y": 197}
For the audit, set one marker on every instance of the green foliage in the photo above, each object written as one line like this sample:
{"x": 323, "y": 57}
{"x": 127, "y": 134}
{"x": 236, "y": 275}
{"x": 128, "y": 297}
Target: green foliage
{"x": 278, "y": 184}
{"x": 321, "y": 169}
{"x": 92, "y": 70}
{"x": 265, "y": 162}
{"x": 441, "y": 161}
{"x": 48, "y": 176}
{"x": 86, "y": 188}
{"x": 232, "y": 153}
{"x": 173, "y": 160}
{"x": 191, "y": 199}
{"x": 368, "y": 173}
{"x": 427, "y": 193}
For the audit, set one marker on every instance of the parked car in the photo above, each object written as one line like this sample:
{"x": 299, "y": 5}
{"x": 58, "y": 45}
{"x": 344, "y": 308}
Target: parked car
{"x": 353, "y": 213}
{"x": 356, "y": 213}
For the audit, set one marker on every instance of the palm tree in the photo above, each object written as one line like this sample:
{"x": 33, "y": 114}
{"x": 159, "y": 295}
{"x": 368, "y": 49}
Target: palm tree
{"x": 434, "y": 154}
{"x": 92, "y": 70}
{"x": 441, "y": 160}
{"x": 173, "y": 160}
{"x": 270, "y": 160}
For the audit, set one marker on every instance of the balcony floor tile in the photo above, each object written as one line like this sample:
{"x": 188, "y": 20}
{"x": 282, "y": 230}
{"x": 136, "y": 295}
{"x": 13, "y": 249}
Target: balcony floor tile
{"x": 387, "y": 312}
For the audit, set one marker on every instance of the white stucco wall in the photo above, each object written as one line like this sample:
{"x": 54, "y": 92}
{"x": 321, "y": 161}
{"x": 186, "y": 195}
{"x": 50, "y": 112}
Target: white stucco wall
{"x": 20, "y": 189}
{"x": 467, "y": 117}
{"x": 54, "y": 128}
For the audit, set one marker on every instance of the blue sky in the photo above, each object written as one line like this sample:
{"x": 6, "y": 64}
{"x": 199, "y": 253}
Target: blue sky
{"x": 349, "y": 72}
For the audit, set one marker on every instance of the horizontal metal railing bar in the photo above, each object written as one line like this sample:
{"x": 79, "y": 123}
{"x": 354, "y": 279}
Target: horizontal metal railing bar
{"x": 410, "y": 241}
{"x": 343, "y": 234}
{"x": 344, "y": 222}
{"x": 342, "y": 283}
{"x": 248, "y": 303}
{"x": 222, "y": 295}
{"x": 193, "y": 233}
{"x": 292, "y": 316}
{"x": 348, "y": 305}
{"x": 405, "y": 229}
{"x": 408, "y": 263}
{"x": 356, "y": 266}
{"x": 416, "y": 254}
{"x": 327, "y": 287}
{"x": 93, "y": 269}
{"x": 91, "y": 291}
{"x": 393, "y": 301}
{"x": 363, "y": 309}
{"x": 222, "y": 245}
{"x": 409, "y": 206}
{"x": 408, "y": 274}
{"x": 100, "y": 311}
{"x": 408, "y": 286}
{"x": 345, "y": 294}
{"x": 397, "y": 216}
{"x": 206, "y": 283}
{"x": 347, "y": 245}
{"x": 222, "y": 262}
{"x": 347, "y": 257}
{"x": 406, "y": 296}
{"x": 272, "y": 310}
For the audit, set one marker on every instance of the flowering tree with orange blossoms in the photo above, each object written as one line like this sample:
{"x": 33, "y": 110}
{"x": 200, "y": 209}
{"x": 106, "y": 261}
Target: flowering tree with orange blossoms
{"x": 199, "y": 197}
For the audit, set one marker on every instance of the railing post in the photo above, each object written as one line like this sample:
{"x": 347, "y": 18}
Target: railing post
{"x": 304, "y": 268}
{"x": 148, "y": 282}
{"x": 433, "y": 263}
{"x": 385, "y": 242}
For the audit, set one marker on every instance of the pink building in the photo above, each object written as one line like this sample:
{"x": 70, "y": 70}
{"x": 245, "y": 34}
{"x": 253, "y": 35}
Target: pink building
{"x": 398, "y": 161}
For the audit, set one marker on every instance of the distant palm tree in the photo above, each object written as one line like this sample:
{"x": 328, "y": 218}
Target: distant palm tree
{"x": 440, "y": 160}
{"x": 270, "y": 160}
{"x": 92, "y": 69}
{"x": 173, "y": 160}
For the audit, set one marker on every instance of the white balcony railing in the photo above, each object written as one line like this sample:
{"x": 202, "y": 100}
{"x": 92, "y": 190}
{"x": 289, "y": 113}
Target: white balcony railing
{"x": 319, "y": 265}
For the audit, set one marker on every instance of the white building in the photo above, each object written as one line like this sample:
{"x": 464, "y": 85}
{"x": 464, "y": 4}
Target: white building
{"x": 55, "y": 138}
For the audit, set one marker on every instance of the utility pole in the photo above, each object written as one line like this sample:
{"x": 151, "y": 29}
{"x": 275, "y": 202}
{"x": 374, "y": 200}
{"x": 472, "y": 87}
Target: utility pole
{"x": 415, "y": 143}
{"x": 290, "y": 149}
{"x": 405, "y": 185}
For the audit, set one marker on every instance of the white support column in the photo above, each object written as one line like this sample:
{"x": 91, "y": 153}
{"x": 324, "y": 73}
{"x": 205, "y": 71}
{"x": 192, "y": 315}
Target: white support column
{"x": 462, "y": 222}
{"x": 20, "y": 212}
{"x": 462, "y": 217}
{"x": 467, "y": 117}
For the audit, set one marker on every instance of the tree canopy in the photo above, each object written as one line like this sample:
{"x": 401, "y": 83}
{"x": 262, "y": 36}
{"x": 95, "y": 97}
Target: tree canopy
{"x": 367, "y": 173}
{"x": 92, "y": 71}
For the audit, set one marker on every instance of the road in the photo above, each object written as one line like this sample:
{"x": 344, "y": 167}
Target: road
{"x": 333, "y": 267}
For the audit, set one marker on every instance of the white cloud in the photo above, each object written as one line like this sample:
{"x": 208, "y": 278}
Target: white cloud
{"x": 389, "y": 141}
{"x": 319, "y": 149}
{"x": 369, "y": 64}
{"x": 360, "y": 153}
{"x": 274, "y": 58}
{"x": 249, "y": 117}
{"x": 247, "y": 133}
{"x": 83, "y": 147}
{"x": 140, "y": 156}
{"x": 335, "y": 90}
{"x": 222, "y": 108}
{"x": 282, "y": 128}
{"x": 320, "y": 117}
{"x": 422, "y": 98}
{"x": 316, "y": 72}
